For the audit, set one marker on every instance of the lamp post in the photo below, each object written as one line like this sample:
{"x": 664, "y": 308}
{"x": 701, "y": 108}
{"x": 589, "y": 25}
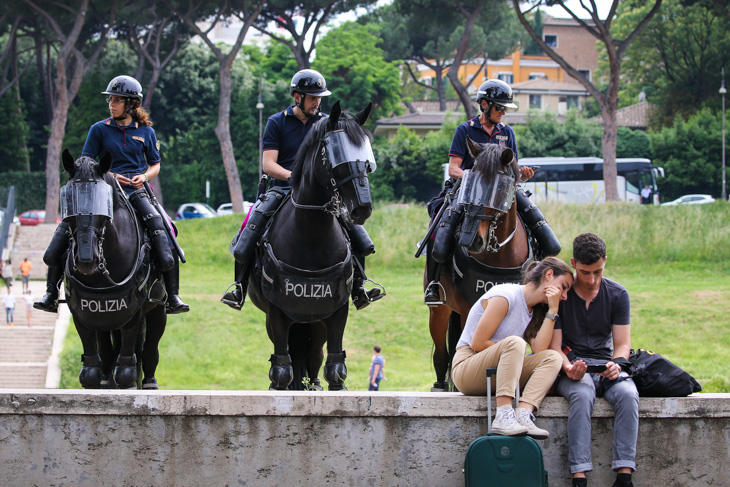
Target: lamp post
{"x": 722, "y": 92}
{"x": 260, "y": 108}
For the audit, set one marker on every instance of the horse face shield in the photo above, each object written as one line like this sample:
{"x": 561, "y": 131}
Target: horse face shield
{"x": 350, "y": 163}
{"x": 477, "y": 196}
{"x": 90, "y": 204}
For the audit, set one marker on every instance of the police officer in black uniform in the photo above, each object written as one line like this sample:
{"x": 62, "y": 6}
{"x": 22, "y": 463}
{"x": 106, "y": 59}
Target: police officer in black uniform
{"x": 285, "y": 131}
{"x": 128, "y": 135}
{"x": 494, "y": 97}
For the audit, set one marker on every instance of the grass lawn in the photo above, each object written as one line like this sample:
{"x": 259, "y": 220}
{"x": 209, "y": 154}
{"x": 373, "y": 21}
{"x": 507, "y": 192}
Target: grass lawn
{"x": 675, "y": 262}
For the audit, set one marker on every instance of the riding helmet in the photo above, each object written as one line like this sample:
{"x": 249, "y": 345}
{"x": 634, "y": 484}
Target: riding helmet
{"x": 124, "y": 86}
{"x": 495, "y": 91}
{"x": 309, "y": 82}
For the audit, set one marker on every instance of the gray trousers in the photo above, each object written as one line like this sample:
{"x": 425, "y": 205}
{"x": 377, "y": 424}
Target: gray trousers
{"x": 581, "y": 395}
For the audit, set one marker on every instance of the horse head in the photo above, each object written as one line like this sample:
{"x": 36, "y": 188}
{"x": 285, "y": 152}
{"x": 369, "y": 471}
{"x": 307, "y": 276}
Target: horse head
{"x": 336, "y": 155}
{"x": 487, "y": 194}
{"x": 87, "y": 205}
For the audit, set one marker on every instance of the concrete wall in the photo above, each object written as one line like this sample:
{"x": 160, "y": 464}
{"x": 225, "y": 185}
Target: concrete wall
{"x": 262, "y": 438}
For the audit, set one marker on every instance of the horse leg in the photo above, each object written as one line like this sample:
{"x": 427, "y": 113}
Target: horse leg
{"x": 156, "y": 322}
{"x": 335, "y": 371}
{"x": 438, "y": 322}
{"x": 108, "y": 357}
{"x": 315, "y": 355}
{"x": 281, "y": 371}
{"x": 299, "y": 338}
{"x": 125, "y": 372}
{"x": 91, "y": 373}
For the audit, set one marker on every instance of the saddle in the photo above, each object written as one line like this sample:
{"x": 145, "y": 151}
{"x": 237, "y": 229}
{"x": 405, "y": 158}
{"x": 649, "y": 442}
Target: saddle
{"x": 303, "y": 295}
{"x": 111, "y": 307}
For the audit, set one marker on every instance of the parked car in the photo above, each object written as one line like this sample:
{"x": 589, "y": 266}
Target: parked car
{"x": 34, "y": 217}
{"x": 227, "y": 208}
{"x": 194, "y": 210}
{"x": 691, "y": 199}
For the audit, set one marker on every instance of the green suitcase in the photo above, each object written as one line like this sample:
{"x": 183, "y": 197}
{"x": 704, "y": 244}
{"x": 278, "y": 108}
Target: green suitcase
{"x": 504, "y": 461}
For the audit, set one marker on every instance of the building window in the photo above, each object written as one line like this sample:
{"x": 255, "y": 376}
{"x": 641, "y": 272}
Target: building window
{"x": 586, "y": 73}
{"x": 538, "y": 76}
{"x": 506, "y": 77}
{"x": 551, "y": 40}
{"x": 536, "y": 101}
{"x": 571, "y": 101}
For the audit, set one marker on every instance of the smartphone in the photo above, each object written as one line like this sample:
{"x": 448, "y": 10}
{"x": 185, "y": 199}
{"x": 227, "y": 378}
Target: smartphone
{"x": 534, "y": 168}
{"x": 596, "y": 369}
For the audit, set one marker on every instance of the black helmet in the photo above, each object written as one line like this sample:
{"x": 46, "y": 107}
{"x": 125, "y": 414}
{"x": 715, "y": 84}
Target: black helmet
{"x": 495, "y": 91}
{"x": 309, "y": 82}
{"x": 124, "y": 86}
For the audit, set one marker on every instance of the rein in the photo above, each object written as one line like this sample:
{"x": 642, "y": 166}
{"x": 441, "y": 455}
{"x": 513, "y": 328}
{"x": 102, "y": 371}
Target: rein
{"x": 334, "y": 205}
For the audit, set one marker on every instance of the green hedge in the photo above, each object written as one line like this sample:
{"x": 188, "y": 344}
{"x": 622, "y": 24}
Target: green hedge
{"x": 30, "y": 190}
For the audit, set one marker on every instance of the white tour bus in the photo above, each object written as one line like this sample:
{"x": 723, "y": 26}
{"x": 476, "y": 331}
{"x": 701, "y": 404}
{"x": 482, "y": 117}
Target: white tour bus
{"x": 580, "y": 179}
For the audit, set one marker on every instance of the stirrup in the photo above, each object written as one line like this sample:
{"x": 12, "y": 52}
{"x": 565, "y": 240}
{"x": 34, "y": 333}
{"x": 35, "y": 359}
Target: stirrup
{"x": 441, "y": 292}
{"x": 372, "y": 295}
{"x": 237, "y": 305}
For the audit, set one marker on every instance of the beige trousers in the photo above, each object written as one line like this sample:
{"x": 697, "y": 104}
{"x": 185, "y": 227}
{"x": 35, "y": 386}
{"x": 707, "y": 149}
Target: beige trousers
{"x": 534, "y": 373}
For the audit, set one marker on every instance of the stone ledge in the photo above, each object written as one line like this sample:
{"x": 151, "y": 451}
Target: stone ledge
{"x": 330, "y": 404}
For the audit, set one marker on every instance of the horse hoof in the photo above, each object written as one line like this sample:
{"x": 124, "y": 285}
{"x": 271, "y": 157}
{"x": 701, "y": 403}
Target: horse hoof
{"x": 281, "y": 372}
{"x": 125, "y": 373}
{"x": 315, "y": 385}
{"x": 336, "y": 387}
{"x": 440, "y": 387}
{"x": 150, "y": 384}
{"x": 91, "y": 377}
{"x": 335, "y": 374}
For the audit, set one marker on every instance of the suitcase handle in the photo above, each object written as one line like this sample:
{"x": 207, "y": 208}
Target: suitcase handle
{"x": 493, "y": 372}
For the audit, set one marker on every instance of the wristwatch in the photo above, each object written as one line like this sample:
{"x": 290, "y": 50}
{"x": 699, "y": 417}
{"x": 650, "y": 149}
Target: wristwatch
{"x": 551, "y": 316}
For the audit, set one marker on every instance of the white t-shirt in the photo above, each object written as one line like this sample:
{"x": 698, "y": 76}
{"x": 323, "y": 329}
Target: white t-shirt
{"x": 9, "y": 300}
{"x": 513, "y": 324}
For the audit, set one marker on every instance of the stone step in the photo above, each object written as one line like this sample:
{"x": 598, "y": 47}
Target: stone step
{"x": 23, "y": 344}
{"x": 26, "y": 375}
{"x": 31, "y": 242}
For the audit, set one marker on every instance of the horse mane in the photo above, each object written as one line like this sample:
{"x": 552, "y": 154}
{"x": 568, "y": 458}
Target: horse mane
{"x": 86, "y": 170}
{"x": 488, "y": 163}
{"x": 347, "y": 122}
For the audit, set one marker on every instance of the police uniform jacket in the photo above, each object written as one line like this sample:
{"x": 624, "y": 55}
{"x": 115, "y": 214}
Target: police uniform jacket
{"x": 285, "y": 133}
{"x": 502, "y": 135}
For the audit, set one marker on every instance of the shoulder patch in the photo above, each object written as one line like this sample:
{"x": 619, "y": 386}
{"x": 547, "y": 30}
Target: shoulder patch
{"x": 501, "y": 137}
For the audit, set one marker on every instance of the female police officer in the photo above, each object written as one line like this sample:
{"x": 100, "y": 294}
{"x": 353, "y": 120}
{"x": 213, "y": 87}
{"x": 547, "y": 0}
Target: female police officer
{"x": 128, "y": 135}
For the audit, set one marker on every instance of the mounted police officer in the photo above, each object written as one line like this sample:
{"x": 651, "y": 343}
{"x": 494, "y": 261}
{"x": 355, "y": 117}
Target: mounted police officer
{"x": 128, "y": 135}
{"x": 285, "y": 131}
{"x": 494, "y": 97}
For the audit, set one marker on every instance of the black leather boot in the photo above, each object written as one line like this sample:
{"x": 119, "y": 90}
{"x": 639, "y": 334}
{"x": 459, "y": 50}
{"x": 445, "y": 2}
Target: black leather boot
{"x": 361, "y": 297}
{"x": 49, "y": 301}
{"x": 152, "y": 221}
{"x": 432, "y": 295}
{"x": 533, "y": 218}
{"x": 174, "y": 304}
{"x": 237, "y": 296}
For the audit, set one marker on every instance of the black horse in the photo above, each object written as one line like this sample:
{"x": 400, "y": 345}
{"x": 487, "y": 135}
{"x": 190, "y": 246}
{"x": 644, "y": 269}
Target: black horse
{"x": 111, "y": 287}
{"x": 304, "y": 265}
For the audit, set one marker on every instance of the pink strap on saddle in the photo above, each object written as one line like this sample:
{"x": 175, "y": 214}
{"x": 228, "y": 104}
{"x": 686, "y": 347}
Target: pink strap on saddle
{"x": 245, "y": 220}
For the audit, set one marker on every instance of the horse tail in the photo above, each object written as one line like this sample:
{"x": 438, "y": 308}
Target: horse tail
{"x": 452, "y": 338}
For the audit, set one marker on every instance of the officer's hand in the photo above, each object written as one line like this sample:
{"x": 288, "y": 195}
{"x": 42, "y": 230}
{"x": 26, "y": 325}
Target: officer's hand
{"x": 526, "y": 173}
{"x": 138, "y": 181}
{"x": 124, "y": 181}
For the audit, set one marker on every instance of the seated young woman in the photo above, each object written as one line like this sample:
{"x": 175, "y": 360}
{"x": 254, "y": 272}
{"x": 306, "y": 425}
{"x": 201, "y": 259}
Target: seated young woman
{"x": 499, "y": 327}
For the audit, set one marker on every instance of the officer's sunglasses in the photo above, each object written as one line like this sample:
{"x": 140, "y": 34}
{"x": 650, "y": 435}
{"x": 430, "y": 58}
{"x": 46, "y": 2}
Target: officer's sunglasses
{"x": 114, "y": 100}
{"x": 500, "y": 108}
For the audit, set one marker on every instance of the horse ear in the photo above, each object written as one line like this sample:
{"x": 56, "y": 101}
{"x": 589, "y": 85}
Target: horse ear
{"x": 363, "y": 116}
{"x": 68, "y": 162}
{"x": 106, "y": 162}
{"x": 507, "y": 156}
{"x": 334, "y": 116}
{"x": 474, "y": 148}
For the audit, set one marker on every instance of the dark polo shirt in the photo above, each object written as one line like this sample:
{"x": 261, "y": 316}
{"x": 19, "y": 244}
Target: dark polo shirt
{"x": 589, "y": 332}
{"x": 502, "y": 135}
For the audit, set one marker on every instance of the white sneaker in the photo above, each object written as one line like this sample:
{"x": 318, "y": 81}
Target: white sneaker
{"x": 505, "y": 423}
{"x": 524, "y": 418}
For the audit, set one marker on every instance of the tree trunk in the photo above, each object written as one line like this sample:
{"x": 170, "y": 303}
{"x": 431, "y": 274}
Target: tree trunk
{"x": 440, "y": 88}
{"x": 223, "y": 132}
{"x": 464, "y": 97}
{"x": 55, "y": 141}
{"x": 608, "y": 140}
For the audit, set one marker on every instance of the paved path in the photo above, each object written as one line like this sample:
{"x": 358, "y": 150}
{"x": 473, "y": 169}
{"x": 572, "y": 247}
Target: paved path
{"x": 29, "y": 354}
